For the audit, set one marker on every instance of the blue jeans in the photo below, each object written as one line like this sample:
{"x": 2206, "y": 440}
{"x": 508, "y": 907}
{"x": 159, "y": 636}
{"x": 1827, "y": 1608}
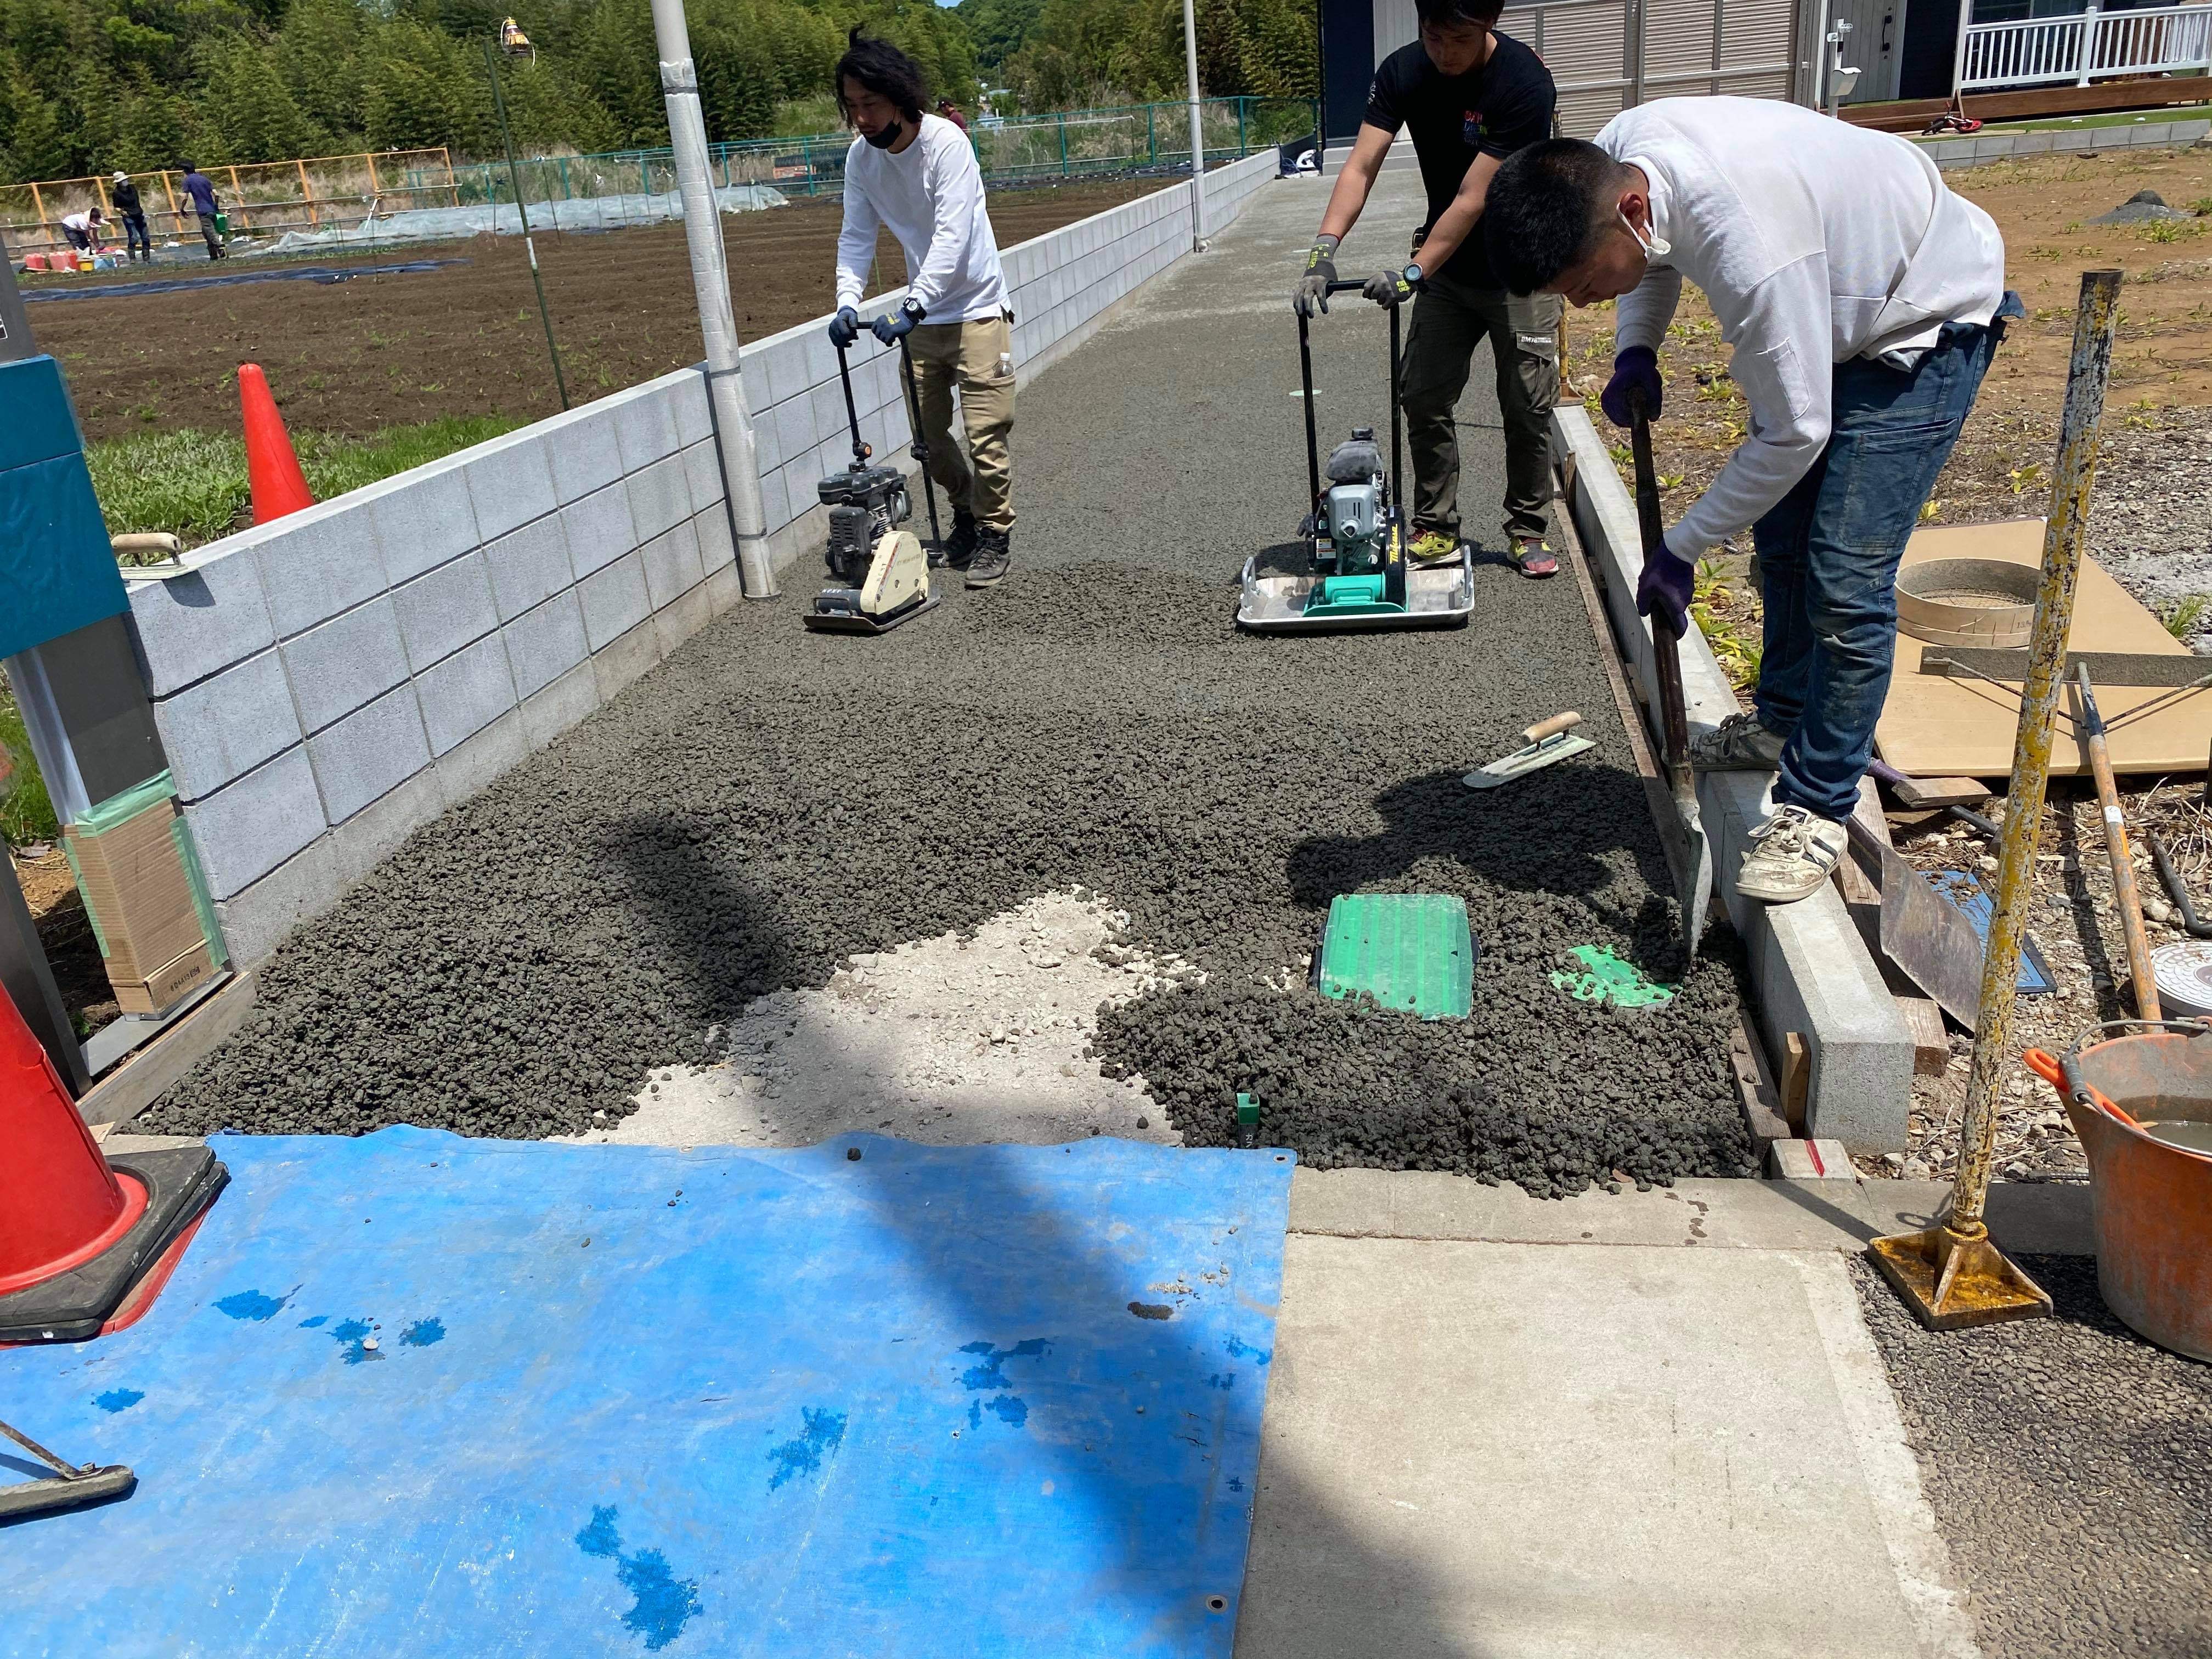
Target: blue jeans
{"x": 1828, "y": 553}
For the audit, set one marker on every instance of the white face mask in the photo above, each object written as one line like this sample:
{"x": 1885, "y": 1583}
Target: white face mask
{"x": 1653, "y": 247}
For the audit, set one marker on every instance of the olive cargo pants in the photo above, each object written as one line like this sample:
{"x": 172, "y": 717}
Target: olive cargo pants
{"x": 1450, "y": 321}
{"x": 978, "y": 358}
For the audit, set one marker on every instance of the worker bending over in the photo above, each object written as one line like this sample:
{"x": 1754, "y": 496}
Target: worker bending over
{"x": 1471, "y": 97}
{"x": 917, "y": 175}
{"x": 1864, "y": 300}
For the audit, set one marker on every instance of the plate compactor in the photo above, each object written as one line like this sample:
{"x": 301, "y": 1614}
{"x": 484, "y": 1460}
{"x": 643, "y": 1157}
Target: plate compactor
{"x": 881, "y": 570}
{"x": 1357, "y": 574}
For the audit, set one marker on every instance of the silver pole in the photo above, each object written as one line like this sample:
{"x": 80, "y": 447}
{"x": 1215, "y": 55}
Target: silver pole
{"x": 1197, "y": 133}
{"x": 710, "y": 280}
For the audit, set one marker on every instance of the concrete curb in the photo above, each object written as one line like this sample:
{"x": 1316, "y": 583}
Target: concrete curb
{"x": 1810, "y": 969}
{"x": 1981, "y": 149}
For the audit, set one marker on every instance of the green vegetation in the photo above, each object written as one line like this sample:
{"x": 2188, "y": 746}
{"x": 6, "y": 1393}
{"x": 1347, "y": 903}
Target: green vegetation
{"x": 90, "y": 85}
{"x": 26, "y": 814}
{"x": 192, "y": 484}
{"x": 2182, "y": 617}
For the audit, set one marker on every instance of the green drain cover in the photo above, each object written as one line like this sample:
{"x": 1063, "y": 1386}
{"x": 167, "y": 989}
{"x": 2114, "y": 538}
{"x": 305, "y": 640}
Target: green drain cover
{"x": 1409, "y": 950}
{"x": 1606, "y": 978}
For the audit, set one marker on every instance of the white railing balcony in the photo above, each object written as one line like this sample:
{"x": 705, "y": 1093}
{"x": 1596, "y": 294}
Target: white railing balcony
{"x": 2044, "y": 50}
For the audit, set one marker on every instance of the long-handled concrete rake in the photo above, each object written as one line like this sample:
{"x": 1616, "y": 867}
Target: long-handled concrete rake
{"x": 69, "y": 1486}
{"x": 1666, "y": 666}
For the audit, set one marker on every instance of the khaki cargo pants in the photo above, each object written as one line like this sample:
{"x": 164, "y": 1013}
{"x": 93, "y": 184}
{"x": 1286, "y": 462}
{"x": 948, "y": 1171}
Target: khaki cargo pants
{"x": 1449, "y": 322}
{"x": 978, "y": 358}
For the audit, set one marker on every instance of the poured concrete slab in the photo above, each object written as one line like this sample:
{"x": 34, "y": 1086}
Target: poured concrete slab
{"x": 1524, "y": 1452}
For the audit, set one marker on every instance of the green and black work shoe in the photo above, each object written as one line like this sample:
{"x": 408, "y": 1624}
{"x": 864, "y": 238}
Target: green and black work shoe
{"x": 957, "y": 550}
{"x": 1432, "y": 547}
{"x": 994, "y": 553}
{"x": 1532, "y": 556}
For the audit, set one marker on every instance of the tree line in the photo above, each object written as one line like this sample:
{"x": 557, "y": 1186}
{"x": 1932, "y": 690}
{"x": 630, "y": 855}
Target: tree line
{"x": 88, "y": 86}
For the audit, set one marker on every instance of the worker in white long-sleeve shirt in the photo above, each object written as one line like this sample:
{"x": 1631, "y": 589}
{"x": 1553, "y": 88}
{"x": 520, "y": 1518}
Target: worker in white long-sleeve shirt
{"x": 1864, "y": 300}
{"x": 917, "y": 175}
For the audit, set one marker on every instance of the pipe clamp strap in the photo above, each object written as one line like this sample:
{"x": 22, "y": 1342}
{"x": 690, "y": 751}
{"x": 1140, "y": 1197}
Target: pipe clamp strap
{"x": 680, "y": 76}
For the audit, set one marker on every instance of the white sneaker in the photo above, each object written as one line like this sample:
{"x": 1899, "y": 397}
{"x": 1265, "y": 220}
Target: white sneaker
{"x": 1791, "y": 855}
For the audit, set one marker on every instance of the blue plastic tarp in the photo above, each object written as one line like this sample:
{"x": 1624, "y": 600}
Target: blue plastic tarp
{"x": 418, "y": 1394}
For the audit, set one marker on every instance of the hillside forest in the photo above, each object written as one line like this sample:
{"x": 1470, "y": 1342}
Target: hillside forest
{"x": 92, "y": 85}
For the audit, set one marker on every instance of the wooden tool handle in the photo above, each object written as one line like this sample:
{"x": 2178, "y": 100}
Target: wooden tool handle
{"x": 1565, "y": 721}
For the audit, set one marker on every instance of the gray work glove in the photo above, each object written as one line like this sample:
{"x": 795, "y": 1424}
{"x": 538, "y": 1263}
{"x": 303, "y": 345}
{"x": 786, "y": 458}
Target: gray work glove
{"x": 1387, "y": 288}
{"x": 1312, "y": 294}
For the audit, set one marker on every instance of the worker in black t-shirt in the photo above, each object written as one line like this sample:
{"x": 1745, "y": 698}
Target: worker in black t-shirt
{"x": 1471, "y": 97}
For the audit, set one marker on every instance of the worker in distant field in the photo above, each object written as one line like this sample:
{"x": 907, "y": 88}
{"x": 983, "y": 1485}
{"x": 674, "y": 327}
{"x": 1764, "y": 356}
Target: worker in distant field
{"x": 950, "y": 112}
{"x": 1864, "y": 300}
{"x": 917, "y": 175}
{"x": 137, "y": 245}
{"x": 197, "y": 186}
{"x": 1471, "y": 97}
{"x": 83, "y": 230}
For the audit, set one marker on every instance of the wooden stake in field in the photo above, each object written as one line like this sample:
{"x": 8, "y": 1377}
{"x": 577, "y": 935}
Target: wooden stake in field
{"x": 514, "y": 178}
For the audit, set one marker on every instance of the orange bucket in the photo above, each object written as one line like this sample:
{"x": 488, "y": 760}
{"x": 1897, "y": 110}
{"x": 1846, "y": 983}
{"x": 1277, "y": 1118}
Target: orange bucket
{"x": 2141, "y": 1105}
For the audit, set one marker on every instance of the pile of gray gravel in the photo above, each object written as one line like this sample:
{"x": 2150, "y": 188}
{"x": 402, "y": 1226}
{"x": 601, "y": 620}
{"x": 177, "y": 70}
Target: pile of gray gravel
{"x": 2070, "y": 1465}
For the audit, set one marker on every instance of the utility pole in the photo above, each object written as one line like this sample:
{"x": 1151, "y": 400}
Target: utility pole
{"x": 1197, "y": 133}
{"x": 710, "y": 280}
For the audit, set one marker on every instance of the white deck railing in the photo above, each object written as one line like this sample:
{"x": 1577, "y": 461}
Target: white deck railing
{"x": 2040, "y": 50}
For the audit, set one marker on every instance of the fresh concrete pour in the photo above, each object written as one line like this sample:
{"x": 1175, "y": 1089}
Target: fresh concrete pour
{"x": 771, "y": 805}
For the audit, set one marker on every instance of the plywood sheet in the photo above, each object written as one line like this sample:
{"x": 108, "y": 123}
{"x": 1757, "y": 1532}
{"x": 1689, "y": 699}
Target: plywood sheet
{"x": 1935, "y": 725}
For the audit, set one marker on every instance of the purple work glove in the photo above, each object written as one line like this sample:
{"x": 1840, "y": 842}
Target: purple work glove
{"x": 1665, "y": 588}
{"x": 1636, "y": 369}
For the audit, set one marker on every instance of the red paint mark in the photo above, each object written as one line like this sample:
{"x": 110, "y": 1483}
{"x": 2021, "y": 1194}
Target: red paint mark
{"x": 1812, "y": 1151}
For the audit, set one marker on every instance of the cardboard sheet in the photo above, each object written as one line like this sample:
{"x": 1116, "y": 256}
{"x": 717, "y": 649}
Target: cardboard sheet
{"x": 1934, "y": 727}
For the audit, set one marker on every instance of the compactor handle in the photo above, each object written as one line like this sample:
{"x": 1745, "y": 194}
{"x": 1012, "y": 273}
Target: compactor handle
{"x": 1565, "y": 721}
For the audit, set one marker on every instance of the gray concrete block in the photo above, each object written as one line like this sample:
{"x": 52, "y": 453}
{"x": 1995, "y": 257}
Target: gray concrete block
{"x": 794, "y": 428}
{"x": 374, "y": 834}
{"x": 679, "y": 620}
{"x": 256, "y": 921}
{"x": 2032, "y": 143}
{"x": 424, "y": 520}
{"x": 369, "y": 753}
{"x": 660, "y": 497}
{"x": 829, "y": 417}
{"x": 2072, "y": 138}
{"x": 775, "y": 505}
{"x": 599, "y": 528}
{"x": 615, "y": 600}
{"x": 694, "y": 417}
{"x": 645, "y": 425}
{"x": 464, "y": 693}
{"x": 487, "y": 756}
{"x": 191, "y": 627}
{"x": 446, "y": 609}
{"x": 672, "y": 565}
{"x": 627, "y": 660}
{"x": 347, "y": 662}
{"x": 250, "y": 826}
{"x": 2188, "y": 132}
{"x": 528, "y": 565}
{"x": 510, "y": 483}
{"x": 561, "y": 706}
{"x": 316, "y": 564}
{"x": 2110, "y": 138}
{"x": 718, "y": 546}
{"x": 723, "y": 590}
{"x": 224, "y": 726}
{"x": 814, "y": 341}
{"x": 583, "y": 452}
{"x": 545, "y": 643}
{"x": 703, "y": 475}
{"x": 774, "y": 370}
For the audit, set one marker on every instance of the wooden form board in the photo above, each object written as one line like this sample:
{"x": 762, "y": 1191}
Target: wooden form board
{"x": 1933, "y": 726}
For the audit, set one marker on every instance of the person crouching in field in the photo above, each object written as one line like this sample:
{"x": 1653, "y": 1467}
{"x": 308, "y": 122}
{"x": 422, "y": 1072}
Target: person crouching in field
{"x": 917, "y": 175}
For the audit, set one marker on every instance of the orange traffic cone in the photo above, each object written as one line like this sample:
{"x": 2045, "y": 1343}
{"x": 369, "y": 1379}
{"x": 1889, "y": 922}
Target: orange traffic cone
{"x": 83, "y": 1247}
{"x": 279, "y": 486}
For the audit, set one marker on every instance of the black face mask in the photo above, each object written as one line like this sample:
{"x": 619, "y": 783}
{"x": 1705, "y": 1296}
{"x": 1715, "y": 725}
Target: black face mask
{"x": 885, "y": 136}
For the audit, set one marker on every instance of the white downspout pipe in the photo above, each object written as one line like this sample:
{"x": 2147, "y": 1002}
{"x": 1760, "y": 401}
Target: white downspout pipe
{"x": 710, "y": 280}
{"x": 1197, "y": 133}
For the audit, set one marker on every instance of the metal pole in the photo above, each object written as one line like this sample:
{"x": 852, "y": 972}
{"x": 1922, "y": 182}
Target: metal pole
{"x": 1197, "y": 133}
{"x": 710, "y": 280}
{"x": 1951, "y": 1275}
{"x": 514, "y": 178}
{"x": 1958, "y": 53}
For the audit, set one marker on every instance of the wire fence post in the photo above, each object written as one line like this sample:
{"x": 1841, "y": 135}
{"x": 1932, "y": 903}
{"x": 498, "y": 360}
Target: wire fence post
{"x": 1240, "y": 102}
{"x": 514, "y": 178}
{"x": 1063, "y": 143}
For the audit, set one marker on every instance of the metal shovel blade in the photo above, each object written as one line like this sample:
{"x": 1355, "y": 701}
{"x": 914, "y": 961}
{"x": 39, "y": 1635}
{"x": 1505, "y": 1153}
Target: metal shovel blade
{"x": 1698, "y": 890}
{"x": 1926, "y": 935}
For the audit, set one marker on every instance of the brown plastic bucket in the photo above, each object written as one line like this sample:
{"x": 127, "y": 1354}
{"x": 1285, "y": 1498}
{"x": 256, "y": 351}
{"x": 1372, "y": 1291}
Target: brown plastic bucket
{"x": 2153, "y": 1199}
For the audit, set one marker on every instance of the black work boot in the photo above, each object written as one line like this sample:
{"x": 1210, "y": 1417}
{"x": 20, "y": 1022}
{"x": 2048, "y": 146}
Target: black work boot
{"x": 959, "y": 548}
{"x": 993, "y": 555}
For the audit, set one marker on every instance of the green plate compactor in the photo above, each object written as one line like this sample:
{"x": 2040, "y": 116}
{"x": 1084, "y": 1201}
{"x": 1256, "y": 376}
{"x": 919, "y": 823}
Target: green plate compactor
{"x": 1357, "y": 576}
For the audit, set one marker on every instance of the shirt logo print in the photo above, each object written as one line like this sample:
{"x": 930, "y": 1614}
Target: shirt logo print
{"x": 1471, "y": 129}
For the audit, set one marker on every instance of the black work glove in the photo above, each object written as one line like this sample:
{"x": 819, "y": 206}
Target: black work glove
{"x": 1312, "y": 294}
{"x": 844, "y": 327}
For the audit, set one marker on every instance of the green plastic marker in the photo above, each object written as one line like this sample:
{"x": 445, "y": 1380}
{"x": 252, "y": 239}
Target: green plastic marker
{"x": 1248, "y": 1121}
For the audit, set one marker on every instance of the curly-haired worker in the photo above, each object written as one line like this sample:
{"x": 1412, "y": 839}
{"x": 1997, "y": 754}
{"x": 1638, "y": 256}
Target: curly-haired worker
{"x": 917, "y": 175}
{"x": 1864, "y": 299}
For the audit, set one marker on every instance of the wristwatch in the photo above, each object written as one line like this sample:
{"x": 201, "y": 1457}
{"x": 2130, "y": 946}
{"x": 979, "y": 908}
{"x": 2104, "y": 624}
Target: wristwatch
{"x": 1413, "y": 276}
{"x": 914, "y": 308}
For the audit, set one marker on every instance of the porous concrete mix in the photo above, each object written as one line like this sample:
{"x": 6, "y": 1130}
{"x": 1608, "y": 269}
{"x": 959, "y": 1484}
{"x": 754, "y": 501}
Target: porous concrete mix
{"x": 771, "y": 802}
{"x": 2069, "y": 1463}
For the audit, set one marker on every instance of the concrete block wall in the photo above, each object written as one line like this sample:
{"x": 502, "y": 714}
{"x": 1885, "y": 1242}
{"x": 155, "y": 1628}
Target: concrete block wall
{"x": 327, "y": 684}
{"x": 1980, "y": 149}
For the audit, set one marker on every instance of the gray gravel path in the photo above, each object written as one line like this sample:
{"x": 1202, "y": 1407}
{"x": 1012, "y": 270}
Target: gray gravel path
{"x": 2070, "y": 1466}
{"x": 2151, "y": 524}
{"x": 771, "y": 801}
